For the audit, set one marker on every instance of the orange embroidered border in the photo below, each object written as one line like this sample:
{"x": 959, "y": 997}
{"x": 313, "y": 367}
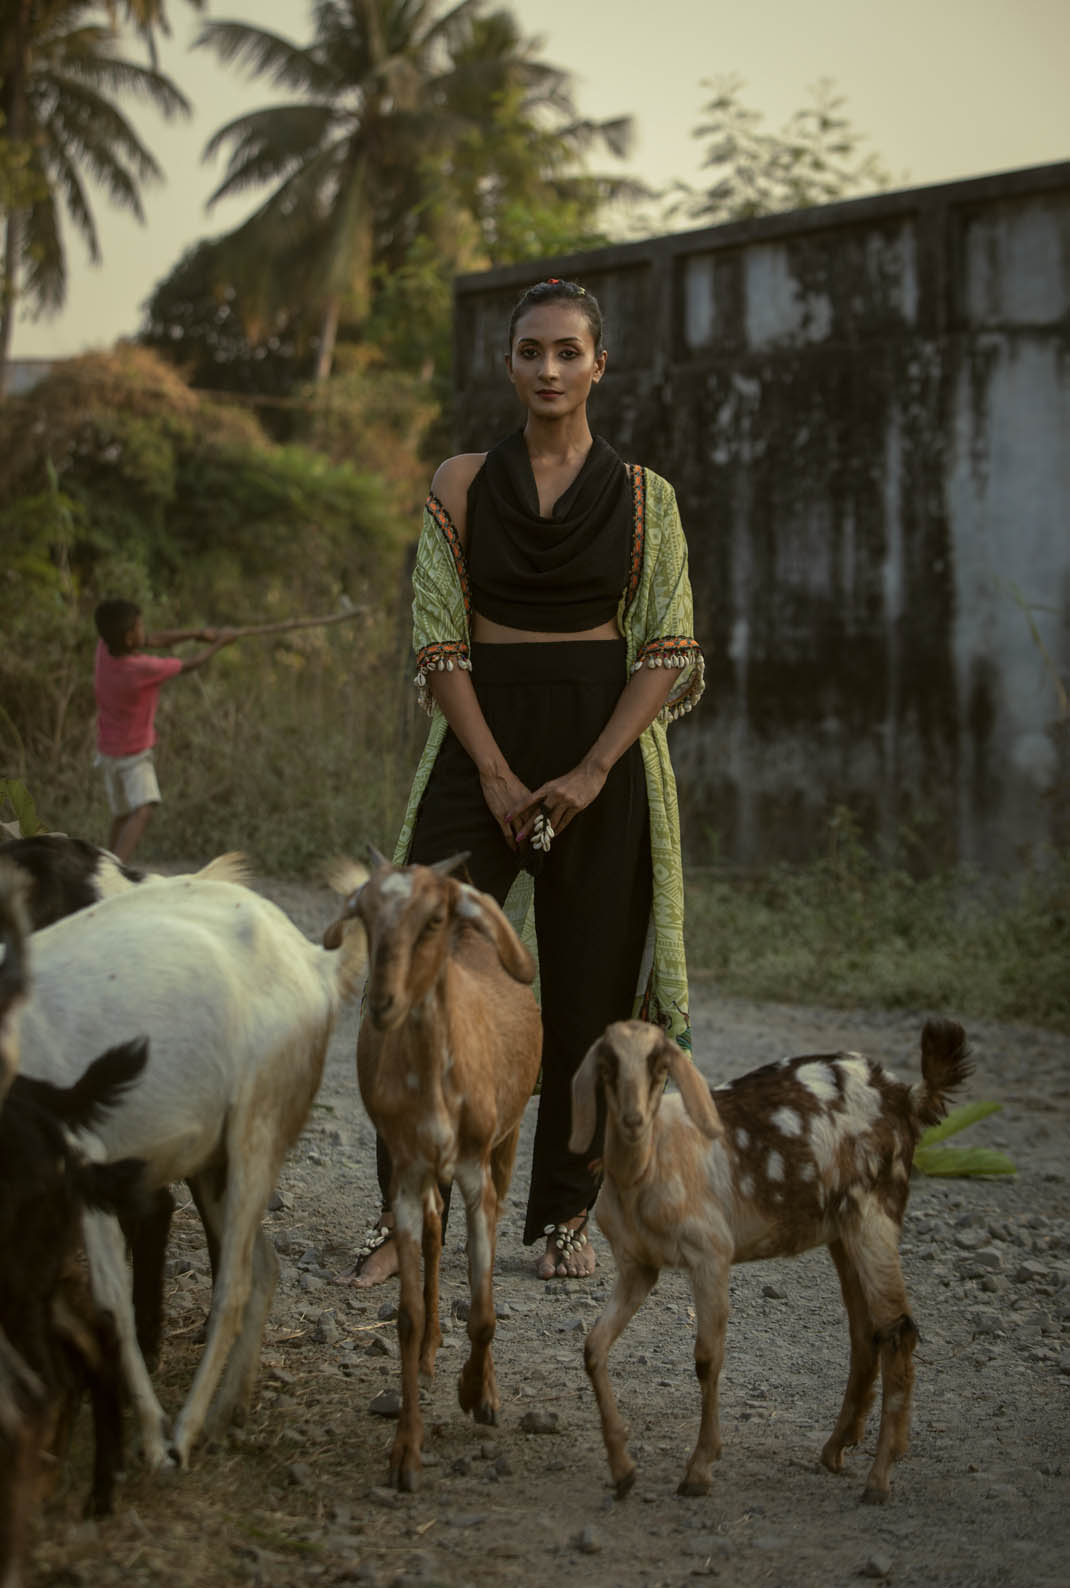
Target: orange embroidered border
{"x": 427, "y": 660}
{"x": 453, "y": 541}
{"x": 673, "y": 650}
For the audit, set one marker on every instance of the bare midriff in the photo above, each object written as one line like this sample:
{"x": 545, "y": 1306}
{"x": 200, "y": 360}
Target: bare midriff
{"x": 488, "y": 633}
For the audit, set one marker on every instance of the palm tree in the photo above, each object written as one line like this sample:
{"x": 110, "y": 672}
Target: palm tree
{"x": 382, "y": 142}
{"x": 60, "y": 75}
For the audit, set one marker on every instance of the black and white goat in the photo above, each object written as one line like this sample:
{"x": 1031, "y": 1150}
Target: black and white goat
{"x": 238, "y": 1006}
{"x": 66, "y": 874}
{"x": 808, "y": 1152}
{"x": 46, "y": 1310}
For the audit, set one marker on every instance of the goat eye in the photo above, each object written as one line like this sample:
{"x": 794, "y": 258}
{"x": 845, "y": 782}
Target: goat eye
{"x": 432, "y": 924}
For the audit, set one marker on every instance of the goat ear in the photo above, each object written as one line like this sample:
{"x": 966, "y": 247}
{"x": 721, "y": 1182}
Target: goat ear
{"x": 584, "y": 1100}
{"x": 487, "y": 916}
{"x": 446, "y": 868}
{"x": 694, "y": 1090}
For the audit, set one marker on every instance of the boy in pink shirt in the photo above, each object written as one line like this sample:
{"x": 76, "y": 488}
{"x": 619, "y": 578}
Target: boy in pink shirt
{"x": 127, "y": 685}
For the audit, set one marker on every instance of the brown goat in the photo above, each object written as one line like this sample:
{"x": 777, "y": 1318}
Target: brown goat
{"x": 447, "y": 1057}
{"x": 808, "y": 1152}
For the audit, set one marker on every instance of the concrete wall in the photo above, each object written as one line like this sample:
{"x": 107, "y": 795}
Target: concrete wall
{"x": 865, "y": 411}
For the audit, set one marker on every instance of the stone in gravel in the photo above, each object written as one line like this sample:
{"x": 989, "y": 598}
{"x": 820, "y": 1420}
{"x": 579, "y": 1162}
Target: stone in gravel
{"x": 299, "y": 1474}
{"x": 1031, "y": 1272}
{"x": 877, "y": 1565}
{"x": 326, "y": 1332}
{"x": 539, "y": 1422}
{"x": 461, "y": 1307}
{"x": 386, "y": 1404}
{"x": 988, "y": 1258}
{"x": 997, "y": 1284}
{"x": 309, "y": 1282}
{"x": 984, "y": 1322}
{"x": 275, "y": 1202}
{"x": 969, "y": 1240}
{"x": 388, "y": 1312}
{"x": 588, "y": 1541}
{"x": 773, "y": 1293}
{"x": 382, "y": 1345}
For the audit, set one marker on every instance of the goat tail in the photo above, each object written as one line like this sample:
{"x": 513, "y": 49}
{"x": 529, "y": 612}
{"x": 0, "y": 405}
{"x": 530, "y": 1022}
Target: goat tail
{"x": 99, "y": 1089}
{"x": 345, "y": 969}
{"x": 945, "y": 1065}
{"x": 231, "y": 867}
{"x": 117, "y": 1187}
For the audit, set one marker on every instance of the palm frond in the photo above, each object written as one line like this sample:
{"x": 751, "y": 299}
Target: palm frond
{"x": 273, "y": 146}
{"x": 113, "y": 75}
{"x": 263, "y": 54}
{"x": 43, "y": 264}
{"x": 90, "y": 128}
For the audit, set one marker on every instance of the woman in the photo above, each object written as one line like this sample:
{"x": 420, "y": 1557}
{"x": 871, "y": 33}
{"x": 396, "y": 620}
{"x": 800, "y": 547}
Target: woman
{"x": 553, "y": 630}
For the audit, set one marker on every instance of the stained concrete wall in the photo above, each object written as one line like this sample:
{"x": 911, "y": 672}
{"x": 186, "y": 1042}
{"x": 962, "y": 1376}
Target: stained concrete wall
{"x": 865, "y": 411}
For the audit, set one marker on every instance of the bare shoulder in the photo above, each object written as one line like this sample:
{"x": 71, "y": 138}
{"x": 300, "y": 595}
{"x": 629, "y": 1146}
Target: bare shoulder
{"x": 451, "y": 481}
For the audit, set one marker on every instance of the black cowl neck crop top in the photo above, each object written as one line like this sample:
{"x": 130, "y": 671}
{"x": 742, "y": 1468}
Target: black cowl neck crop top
{"x": 554, "y": 575}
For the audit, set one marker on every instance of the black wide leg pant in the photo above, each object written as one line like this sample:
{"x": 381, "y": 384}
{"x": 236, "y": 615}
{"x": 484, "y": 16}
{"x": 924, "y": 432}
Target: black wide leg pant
{"x": 546, "y": 704}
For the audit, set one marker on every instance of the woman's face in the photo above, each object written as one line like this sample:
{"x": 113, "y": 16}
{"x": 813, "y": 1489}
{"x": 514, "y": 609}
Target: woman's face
{"x": 552, "y": 362}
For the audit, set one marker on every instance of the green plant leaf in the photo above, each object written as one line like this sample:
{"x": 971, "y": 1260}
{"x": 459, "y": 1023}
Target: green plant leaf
{"x": 21, "y": 801}
{"x": 962, "y": 1161}
{"x": 958, "y": 1119}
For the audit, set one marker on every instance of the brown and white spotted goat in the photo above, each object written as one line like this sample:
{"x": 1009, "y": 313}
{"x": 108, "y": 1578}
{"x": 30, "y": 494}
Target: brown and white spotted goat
{"x": 808, "y": 1152}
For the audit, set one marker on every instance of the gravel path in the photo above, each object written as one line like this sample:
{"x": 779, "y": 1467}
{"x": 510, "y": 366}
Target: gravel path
{"x": 297, "y": 1496}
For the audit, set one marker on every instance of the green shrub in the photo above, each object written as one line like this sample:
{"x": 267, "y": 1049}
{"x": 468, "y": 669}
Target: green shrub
{"x": 849, "y": 930}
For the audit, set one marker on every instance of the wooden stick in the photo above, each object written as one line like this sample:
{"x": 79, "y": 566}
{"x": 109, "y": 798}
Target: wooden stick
{"x": 294, "y": 623}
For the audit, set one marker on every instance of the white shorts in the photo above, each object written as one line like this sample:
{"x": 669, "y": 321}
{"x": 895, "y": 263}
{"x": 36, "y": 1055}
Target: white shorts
{"x": 129, "y": 781}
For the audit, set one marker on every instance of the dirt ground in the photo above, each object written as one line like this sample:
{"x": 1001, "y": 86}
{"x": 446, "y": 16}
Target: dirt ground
{"x": 298, "y": 1496}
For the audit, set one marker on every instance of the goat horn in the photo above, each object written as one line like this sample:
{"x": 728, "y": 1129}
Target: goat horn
{"x": 375, "y": 859}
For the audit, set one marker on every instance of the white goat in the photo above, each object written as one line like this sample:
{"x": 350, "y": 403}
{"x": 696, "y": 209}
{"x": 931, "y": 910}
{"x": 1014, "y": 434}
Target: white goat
{"x": 447, "y": 1057}
{"x": 238, "y": 1006}
{"x": 807, "y": 1152}
{"x": 14, "y": 976}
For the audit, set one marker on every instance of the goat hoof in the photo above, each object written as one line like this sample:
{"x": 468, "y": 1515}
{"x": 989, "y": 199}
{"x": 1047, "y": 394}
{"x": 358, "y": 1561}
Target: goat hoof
{"x": 832, "y": 1459}
{"x": 625, "y": 1484}
{"x": 488, "y": 1415}
{"x": 404, "y": 1480}
{"x": 875, "y": 1496}
{"x": 694, "y": 1488}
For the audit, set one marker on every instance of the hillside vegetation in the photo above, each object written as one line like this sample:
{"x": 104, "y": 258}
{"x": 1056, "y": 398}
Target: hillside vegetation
{"x": 117, "y": 479}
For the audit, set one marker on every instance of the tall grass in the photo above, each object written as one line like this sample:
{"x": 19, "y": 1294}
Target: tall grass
{"x": 850, "y": 931}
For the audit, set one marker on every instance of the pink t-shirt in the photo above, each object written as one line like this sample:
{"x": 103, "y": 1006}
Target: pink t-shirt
{"x": 127, "y": 689}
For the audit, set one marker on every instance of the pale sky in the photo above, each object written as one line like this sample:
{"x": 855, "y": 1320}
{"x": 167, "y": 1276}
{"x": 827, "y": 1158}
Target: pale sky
{"x": 943, "y": 89}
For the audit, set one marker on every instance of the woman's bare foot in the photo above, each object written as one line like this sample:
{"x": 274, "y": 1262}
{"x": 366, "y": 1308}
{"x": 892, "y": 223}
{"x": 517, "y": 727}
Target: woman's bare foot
{"x": 377, "y": 1260}
{"x": 569, "y": 1254}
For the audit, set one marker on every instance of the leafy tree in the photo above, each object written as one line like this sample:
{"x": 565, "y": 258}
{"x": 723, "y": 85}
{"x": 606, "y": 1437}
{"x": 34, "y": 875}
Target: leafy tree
{"x": 61, "y": 76}
{"x": 411, "y": 124}
{"x": 206, "y": 318}
{"x": 816, "y": 158}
